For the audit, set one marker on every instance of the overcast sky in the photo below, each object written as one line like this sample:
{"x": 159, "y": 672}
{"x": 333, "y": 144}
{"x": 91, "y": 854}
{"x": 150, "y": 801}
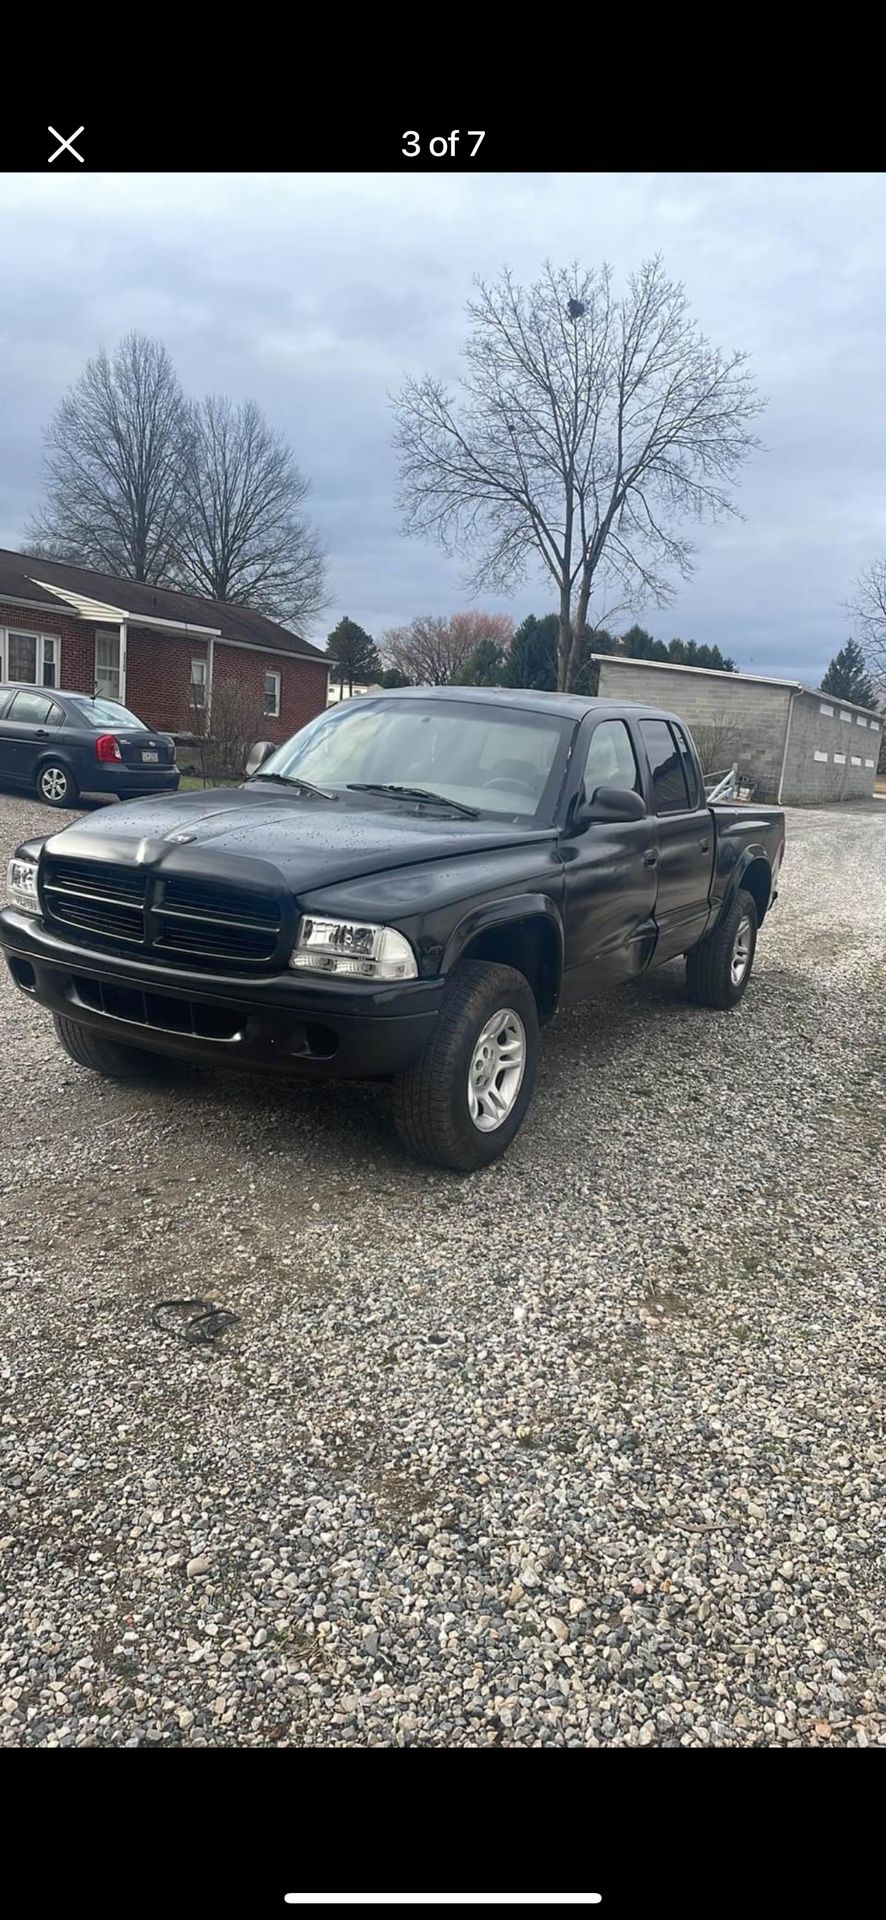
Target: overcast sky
{"x": 315, "y": 293}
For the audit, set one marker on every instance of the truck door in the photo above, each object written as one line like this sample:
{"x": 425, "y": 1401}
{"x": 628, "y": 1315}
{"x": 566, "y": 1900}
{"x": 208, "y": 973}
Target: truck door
{"x": 610, "y": 871}
{"x": 685, "y": 837}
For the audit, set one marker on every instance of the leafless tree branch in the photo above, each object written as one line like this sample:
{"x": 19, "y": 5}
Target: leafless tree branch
{"x": 113, "y": 465}
{"x": 587, "y": 429}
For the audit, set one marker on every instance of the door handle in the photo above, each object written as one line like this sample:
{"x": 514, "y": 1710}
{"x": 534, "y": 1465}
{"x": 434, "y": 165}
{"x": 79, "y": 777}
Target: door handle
{"x": 40, "y": 733}
{"x": 650, "y": 857}
{"x": 706, "y": 846}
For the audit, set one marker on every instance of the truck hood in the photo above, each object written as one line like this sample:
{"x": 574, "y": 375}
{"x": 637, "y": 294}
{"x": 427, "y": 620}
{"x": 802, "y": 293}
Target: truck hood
{"x": 311, "y": 843}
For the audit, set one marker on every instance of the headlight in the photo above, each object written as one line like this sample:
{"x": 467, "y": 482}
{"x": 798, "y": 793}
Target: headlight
{"x": 351, "y": 947}
{"x": 21, "y": 885}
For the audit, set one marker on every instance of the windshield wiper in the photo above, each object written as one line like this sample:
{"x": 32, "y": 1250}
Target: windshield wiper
{"x": 302, "y": 786}
{"x": 412, "y": 793}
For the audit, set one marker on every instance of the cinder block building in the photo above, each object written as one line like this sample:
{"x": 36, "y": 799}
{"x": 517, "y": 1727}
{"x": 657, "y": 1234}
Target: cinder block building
{"x": 793, "y": 745}
{"x": 159, "y": 652}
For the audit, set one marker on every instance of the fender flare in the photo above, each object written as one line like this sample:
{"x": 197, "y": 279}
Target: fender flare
{"x": 756, "y": 851}
{"x": 498, "y": 913}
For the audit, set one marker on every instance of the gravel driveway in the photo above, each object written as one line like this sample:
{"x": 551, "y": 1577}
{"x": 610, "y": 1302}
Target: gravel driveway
{"x": 585, "y": 1449}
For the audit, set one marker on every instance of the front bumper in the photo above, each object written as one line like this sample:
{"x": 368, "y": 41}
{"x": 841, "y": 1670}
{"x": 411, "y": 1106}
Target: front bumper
{"x": 277, "y": 1023}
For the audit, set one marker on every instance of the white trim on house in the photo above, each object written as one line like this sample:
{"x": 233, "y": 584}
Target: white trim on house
{"x": 42, "y": 643}
{"x": 273, "y": 673}
{"x": 33, "y": 606}
{"x": 283, "y": 653}
{"x": 108, "y": 616}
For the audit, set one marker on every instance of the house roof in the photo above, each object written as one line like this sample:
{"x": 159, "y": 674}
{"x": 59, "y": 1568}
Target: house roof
{"x": 30, "y": 580}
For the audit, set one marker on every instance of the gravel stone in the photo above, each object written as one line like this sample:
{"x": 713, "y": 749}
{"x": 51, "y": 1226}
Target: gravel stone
{"x": 643, "y": 1505}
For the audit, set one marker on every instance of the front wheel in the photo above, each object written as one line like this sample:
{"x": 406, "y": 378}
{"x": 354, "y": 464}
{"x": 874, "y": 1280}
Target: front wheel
{"x": 107, "y": 1057}
{"x": 719, "y": 968}
{"x": 466, "y": 1097}
{"x": 56, "y": 785}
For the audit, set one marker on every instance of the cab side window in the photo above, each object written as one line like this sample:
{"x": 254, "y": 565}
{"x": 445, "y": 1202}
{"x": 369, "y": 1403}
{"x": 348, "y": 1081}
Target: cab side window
{"x": 669, "y": 790}
{"x": 610, "y": 761}
{"x": 689, "y": 769}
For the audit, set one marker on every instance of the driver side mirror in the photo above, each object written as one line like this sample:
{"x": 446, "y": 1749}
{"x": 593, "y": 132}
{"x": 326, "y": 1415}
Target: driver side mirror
{"x": 258, "y": 755}
{"x": 608, "y": 803}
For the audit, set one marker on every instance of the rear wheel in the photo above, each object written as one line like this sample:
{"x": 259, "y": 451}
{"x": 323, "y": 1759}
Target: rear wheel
{"x": 719, "y": 968}
{"x": 466, "y": 1097}
{"x": 56, "y": 784}
{"x": 103, "y": 1056}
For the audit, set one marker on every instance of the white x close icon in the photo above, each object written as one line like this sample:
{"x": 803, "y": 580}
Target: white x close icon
{"x": 66, "y": 146}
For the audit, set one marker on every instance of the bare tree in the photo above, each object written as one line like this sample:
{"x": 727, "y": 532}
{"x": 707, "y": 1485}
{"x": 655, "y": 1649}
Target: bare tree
{"x": 868, "y": 607}
{"x": 225, "y": 732}
{"x": 244, "y": 535}
{"x": 431, "y": 651}
{"x": 588, "y": 429}
{"x": 113, "y": 465}
{"x": 719, "y": 743}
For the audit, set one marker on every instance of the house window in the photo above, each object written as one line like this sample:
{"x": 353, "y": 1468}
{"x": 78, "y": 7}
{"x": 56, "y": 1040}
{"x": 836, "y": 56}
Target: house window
{"x": 198, "y": 684}
{"x": 30, "y": 659}
{"x": 272, "y": 695}
{"x": 107, "y": 665}
{"x": 50, "y": 651}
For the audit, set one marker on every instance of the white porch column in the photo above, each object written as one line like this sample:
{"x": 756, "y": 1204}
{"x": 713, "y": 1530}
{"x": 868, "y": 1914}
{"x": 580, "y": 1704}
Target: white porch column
{"x": 210, "y": 668}
{"x": 123, "y": 637}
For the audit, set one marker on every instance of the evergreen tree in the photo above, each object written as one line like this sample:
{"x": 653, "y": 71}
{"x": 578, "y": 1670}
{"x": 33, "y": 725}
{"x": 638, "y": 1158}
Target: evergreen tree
{"x": 354, "y": 653}
{"x": 485, "y": 666}
{"x": 532, "y": 661}
{"x": 637, "y": 644}
{"x": 847, "y": 677}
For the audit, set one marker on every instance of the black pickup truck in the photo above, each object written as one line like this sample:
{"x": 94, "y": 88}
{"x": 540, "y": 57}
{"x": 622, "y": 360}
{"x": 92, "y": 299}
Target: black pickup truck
{"x": 408, "y": 889}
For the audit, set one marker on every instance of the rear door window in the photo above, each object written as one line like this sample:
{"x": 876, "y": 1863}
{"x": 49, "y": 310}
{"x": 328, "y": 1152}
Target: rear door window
{"x": 669, "y": 790}
{"x": 32, "y": 709}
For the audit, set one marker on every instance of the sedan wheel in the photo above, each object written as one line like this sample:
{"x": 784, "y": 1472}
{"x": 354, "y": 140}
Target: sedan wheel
{"x": 56, "y": 786}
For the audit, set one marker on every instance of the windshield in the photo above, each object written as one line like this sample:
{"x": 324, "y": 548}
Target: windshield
{"x": 107, "y": 713}
{"x": 497, "y": 759}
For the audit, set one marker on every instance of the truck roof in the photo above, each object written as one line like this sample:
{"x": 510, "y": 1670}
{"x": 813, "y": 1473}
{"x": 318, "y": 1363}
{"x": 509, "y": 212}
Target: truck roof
{"x": 568, "y": 706}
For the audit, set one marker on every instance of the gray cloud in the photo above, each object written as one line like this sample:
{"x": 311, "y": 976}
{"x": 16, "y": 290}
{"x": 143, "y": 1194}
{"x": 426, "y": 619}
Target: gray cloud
{"x": 316, "y": 293}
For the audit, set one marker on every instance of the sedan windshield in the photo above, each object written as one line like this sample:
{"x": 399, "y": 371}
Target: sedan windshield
{"x": 495, "y": 759}
{"x": 106, "y": 713}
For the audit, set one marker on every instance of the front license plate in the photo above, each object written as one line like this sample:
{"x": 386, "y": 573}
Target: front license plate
{"x": 150, "y": 758}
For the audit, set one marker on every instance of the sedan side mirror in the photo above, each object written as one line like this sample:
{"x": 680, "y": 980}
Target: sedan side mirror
{"x": 609, "y": 803}
{"x": 259, "y": 754}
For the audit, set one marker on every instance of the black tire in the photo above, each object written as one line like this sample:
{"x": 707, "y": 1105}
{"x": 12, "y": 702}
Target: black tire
{"x": 103, "y": 1056}
{"x": 709, "y": 965}
{"x": 59, "y": 780}
{"x": 431, "y": 1111}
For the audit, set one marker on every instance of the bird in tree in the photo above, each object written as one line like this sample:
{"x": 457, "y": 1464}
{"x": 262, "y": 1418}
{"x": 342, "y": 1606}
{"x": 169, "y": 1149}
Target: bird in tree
{"x": 847, "y": 677}
{"x": 354, "y": 654}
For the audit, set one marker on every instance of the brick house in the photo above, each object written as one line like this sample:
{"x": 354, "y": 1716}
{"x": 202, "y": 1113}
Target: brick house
{"x": 159, "y": 652}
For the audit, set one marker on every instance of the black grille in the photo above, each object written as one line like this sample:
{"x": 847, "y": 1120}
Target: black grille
{"x": 106, "y": 901}
{"x": 186, "y": 920}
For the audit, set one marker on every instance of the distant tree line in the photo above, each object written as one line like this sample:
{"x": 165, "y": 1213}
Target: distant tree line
{"x": 486, "y": 650}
